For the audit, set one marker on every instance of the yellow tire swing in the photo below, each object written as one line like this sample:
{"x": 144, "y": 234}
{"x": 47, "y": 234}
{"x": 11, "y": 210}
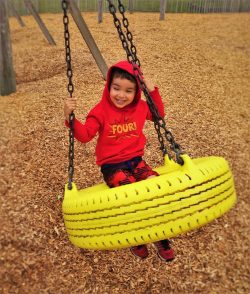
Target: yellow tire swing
{"x": 188, "y": 194}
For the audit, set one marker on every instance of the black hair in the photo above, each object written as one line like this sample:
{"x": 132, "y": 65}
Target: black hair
{"x": 120, "y": 73}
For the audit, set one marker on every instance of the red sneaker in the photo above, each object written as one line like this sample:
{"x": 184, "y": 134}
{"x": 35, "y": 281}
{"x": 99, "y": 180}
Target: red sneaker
{"x": 165, "y": 252}
{"x": 140, "y": 251}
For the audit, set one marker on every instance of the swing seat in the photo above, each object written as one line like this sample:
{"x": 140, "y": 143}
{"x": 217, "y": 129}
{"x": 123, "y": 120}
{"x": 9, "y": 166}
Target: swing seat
{"x": 181, "y": 199}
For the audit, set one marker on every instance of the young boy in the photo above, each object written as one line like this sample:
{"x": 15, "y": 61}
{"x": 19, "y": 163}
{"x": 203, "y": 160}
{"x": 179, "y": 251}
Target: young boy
{"x": 119, "y": 120}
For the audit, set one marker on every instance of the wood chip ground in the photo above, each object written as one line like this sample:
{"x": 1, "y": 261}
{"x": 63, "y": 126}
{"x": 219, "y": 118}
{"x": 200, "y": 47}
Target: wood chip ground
{"x": 201, "y": 64}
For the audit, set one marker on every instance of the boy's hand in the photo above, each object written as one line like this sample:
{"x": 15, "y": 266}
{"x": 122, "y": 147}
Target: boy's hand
{"x": 69, "y": 107}
{"x": 149, "y": 85}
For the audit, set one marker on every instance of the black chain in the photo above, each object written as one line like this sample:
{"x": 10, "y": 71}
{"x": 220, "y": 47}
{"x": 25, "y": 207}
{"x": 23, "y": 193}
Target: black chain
{"x": 112, "y": 9}
{"x": 159, "y": 122}
{"x": 70, "y": 90}
{"x": 128, "y": 33}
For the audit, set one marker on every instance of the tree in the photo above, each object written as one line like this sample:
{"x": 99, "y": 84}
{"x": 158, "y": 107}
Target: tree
{"x": 163, "y": 4}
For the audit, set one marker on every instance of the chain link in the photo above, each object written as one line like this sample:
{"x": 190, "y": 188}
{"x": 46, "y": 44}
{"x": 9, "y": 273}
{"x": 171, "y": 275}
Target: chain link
{"x": 112, "y": 9}
{"x": 128, "y": 33}
{"x": 70, "y": 90}
{"x": 159, "y": 122}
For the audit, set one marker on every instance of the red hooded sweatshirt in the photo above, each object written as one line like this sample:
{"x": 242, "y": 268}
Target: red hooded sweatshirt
{"x": 119, "y": 129}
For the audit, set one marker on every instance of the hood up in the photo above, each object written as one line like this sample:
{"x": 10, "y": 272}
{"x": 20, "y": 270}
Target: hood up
{"x": 125, "y": 65}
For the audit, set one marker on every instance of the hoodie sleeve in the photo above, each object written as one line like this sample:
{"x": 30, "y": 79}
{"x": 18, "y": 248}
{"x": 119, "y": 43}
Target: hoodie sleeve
{"x": 158, "y": 103}
{"x": 84, "y": 132}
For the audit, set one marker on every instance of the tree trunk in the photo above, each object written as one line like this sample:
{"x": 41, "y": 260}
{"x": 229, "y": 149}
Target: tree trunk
{"x": 162, "y": 9}
{"x": 100, "y": 10}
{"x": 7, "y": 74}
{"x": 130, "y": 6}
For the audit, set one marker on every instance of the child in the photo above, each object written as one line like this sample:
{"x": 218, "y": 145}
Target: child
{"x": 119, "y": 119}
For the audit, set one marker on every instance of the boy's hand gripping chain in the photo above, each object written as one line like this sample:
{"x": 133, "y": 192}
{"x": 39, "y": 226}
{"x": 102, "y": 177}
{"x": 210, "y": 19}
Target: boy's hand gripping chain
{"x": 70, "y": 90}
{"x": 159, "y": 122}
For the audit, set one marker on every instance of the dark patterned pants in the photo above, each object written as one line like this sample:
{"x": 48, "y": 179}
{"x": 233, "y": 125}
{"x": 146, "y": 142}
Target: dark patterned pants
{"x": 126, "y": 172}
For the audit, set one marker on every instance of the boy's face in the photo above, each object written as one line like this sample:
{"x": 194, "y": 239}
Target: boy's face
{"x": 122, "y": 92}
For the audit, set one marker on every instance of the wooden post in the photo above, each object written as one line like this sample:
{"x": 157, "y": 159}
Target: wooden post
{"x": 162, "y": 9}
{"x": 16, "y": 14}
{"x": 39, "y": 21}
{"x": 84, "y": 30}
{"x": 7, "y": 74}
{"x": 100, "y": 10}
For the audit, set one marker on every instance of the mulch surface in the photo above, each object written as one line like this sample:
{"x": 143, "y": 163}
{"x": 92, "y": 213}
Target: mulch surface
{"x": 201, "y": 64}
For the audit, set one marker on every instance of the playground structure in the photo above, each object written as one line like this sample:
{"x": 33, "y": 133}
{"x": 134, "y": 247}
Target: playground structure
{"x": 159, "y": 122}
{"x": 8, "y": 85}
{"x": 140, "y": 223}
{"x": 206, "y": 102}
{"x": 7, "y": 75}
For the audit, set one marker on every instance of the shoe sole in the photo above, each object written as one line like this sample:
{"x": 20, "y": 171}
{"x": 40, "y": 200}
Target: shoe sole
{"x": 163, "y": 259}
{"x": 138, "y": 256}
